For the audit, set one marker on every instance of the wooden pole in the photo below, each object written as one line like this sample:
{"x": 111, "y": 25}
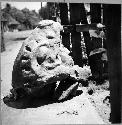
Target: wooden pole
{"x": 41, "y": 5}
{"x": 95, "y": 10}
{"x": 96, "y": 62}
{"x": 2, "y": 37}
{"x": 112, "y": 20}
{"x": 85, "y": 34}
{"x": 64, "y": 21}
{"x": 75, "y": 18}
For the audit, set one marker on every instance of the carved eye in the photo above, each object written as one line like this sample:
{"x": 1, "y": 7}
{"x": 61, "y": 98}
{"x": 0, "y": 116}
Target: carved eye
{"x": 40, "y": 60}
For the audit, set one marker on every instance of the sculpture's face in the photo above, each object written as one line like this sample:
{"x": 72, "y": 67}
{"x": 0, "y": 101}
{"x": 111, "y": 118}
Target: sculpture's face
{"x": 42, "y": 58}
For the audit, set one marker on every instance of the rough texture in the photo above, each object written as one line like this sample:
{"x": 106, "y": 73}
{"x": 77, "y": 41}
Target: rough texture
{"x": 43, "y": 60}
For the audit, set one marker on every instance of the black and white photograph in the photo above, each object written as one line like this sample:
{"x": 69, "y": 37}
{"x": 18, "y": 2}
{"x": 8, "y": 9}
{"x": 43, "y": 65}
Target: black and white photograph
{"x": 60, "y": 62}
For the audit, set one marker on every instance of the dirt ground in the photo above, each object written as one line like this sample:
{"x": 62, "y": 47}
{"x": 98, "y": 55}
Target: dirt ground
{"x": 82, "y": 109}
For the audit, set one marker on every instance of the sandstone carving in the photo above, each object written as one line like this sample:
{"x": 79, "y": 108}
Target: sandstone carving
{"x": 42, "y": 61}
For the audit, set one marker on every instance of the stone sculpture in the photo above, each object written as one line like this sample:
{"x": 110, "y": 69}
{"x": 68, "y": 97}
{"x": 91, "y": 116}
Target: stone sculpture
{"x": 42, "y": 62}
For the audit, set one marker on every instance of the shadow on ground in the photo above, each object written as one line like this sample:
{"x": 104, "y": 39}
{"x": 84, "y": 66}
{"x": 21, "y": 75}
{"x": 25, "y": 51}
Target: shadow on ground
{"x": 30, "y": 102}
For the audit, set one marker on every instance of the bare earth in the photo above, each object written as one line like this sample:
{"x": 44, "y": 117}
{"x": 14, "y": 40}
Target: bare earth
{"x": 82, "y": 109}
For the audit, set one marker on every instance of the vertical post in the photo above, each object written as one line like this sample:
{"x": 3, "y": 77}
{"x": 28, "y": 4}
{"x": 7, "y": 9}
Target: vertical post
{"x": 95, "y": 12}
{"x": 64, "y": 21}
{"x": 86, "y": 35}
{"x": 75, "y": 18}
{"x": 87, "y": 40}
{"x": 112, "y": 19}
{"x": 41, "y": 4}
{"x": 96, "y": 62}
{"x": 2, "y": 37}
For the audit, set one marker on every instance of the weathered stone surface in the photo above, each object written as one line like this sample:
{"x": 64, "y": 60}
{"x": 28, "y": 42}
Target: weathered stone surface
{"x": 43, "y": 60}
